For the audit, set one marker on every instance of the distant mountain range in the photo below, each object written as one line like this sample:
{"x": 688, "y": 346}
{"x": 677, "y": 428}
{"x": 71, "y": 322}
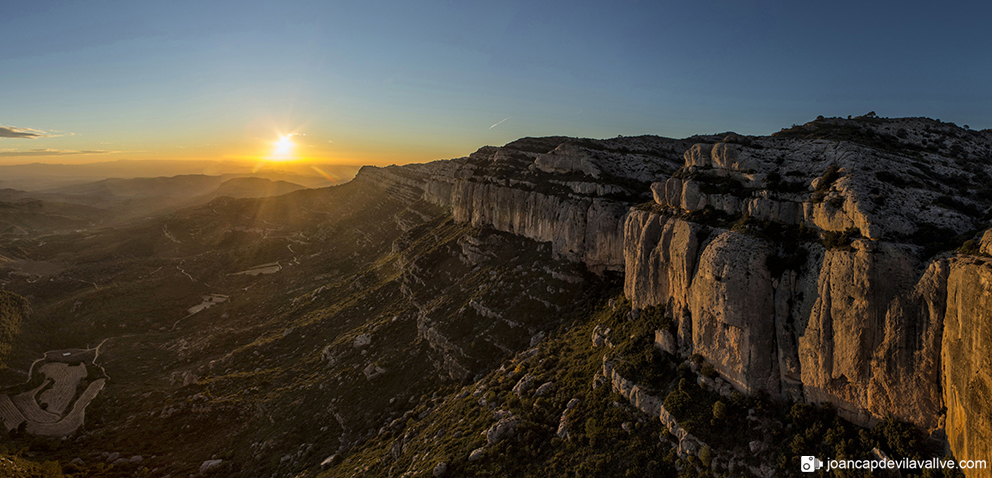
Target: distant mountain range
{"x": 116, "y": 201}
{"x": 43, "y": 176}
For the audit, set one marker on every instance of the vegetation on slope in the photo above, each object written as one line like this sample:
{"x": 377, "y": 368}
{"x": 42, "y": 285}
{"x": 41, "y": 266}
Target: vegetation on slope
{"x": 608, "y": 436}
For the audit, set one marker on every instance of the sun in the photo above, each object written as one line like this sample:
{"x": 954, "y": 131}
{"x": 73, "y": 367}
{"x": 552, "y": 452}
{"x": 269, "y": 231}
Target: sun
{"x": 283, "y": 149}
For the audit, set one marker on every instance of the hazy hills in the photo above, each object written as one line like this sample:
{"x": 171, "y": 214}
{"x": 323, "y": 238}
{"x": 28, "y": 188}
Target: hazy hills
{"x": 116, "y": 201}
{"x": 710, "y": 306}
{"x": 43, "y": 176}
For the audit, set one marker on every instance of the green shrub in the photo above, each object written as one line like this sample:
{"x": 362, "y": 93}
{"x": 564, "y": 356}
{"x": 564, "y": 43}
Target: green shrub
{"x": 969, "y": 247}
{"x": 13, "y": 309}
{"x": 706, "y": 456}
{"x": 827, "y": 179}
{"x": 678, "y": 402}
{"x": 840, "y": 239}
{"x": 708, "y": 370}
{"x": 593, "y": 429}
{"x": 836, "y": 202}
{"x": 936, "y": 239}
{"x": 720, "y": 410}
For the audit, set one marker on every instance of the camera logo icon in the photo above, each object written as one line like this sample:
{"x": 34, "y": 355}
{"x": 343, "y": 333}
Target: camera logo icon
{"x": 809, "y": 464}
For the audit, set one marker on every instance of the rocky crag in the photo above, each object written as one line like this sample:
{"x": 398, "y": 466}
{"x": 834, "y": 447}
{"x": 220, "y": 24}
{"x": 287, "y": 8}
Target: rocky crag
{"x": 840, "y": 261}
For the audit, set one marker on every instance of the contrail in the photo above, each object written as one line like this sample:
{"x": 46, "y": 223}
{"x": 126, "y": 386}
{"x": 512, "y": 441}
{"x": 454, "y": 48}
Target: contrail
{"x": 500, "y": 121}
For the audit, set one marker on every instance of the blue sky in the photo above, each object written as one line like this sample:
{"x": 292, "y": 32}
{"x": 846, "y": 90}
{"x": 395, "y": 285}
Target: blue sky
{"x": 393, "y": 82}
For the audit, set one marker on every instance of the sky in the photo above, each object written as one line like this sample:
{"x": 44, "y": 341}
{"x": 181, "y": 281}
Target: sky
{"x": 377, "y": 82}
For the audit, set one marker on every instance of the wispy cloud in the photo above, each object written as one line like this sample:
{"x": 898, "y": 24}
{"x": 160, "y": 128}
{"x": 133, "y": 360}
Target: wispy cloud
{"x": 29, "y": 133}
{"x": 51, "y": 152}
{"x": 500, "y": 121}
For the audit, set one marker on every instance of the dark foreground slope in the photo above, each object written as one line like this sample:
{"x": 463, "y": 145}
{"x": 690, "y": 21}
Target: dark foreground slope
{"x": 330, "y": 311}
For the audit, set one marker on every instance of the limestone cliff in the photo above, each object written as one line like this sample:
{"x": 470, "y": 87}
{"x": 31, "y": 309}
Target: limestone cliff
{"x": 833, "y": 292}
{"x": 966, "y": 351}
{"x": 731, "y": 306}
{"x": 570, "y": 193}
{"x": 816, "y": 264}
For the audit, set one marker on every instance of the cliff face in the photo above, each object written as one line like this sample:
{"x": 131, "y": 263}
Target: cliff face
{"x": 731, "y": 305}
{"x": 846, "y": 324}
{"x": 661, "y": 253}
{"x": 573, "y": 194}
{"x": 906, "y": 365}
{"x": 966, "y": 352}
{"x": 816, "y": 264}
{"x": 835, "y": 295}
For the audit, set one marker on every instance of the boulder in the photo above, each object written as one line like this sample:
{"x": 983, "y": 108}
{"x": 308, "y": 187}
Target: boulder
{"x": 544, "y": 389}
{"x": 665, "y": 341}
{"x": 562, "y": 431}
{"x": 476, "y": 454}
{"x": 501, "y": 430}
{"x": 524, "y": 385}
{"x": 210, "y": 465}
{"x": 362, "y": 340}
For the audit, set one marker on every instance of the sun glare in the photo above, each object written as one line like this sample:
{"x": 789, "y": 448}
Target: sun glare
{"x": 283, "y": 150}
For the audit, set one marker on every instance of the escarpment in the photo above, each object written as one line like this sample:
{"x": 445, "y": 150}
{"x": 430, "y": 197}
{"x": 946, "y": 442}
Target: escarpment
{"x": 573, "y": 194}
{"x": 822, "y": 264}
{"x": 965, "y": 355}
{"x": 844, "y": 292}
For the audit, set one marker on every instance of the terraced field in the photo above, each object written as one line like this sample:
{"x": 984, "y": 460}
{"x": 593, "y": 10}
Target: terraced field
{"x": 12, "y": 417}
{"x": 27, "y": 404}
{"x": 43, "y": 408}
{"x": 66, "y": 380}
{"x": 73, "y": 420}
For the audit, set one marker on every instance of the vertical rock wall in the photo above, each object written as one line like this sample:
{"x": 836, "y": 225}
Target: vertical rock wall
{"x": 847, "y": 322}
{"x": 859, "y": 328}
{"x": 731, "y": 305}
{"x": 660, "y": 253}
{"x": 967, "y": 359}
{"x": 579, "y": 228}
{"x": 906, "y": 373}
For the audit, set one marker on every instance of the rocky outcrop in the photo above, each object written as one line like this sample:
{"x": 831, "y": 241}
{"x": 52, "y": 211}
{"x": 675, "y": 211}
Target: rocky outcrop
{"x": 636, "y": 395}
{"x": 966, "y": 349}
{"x": 846, "y": 324}
{"x": 538, "y": 195}
{"x": 501, "y": 430}
{"x": 579, "y": 229}
{"x": 906, "y": 373}
{"x": 864, "y": 319}
{"x": 453, "y": 356}
{"x": 857, "y": 327}
{"x": 661, "y": 253}
{"x": 652, "y": 405}
{"x": 567, "y": 158}
{"x": 985, "y": 246}
{"x": 732, "y": 313}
